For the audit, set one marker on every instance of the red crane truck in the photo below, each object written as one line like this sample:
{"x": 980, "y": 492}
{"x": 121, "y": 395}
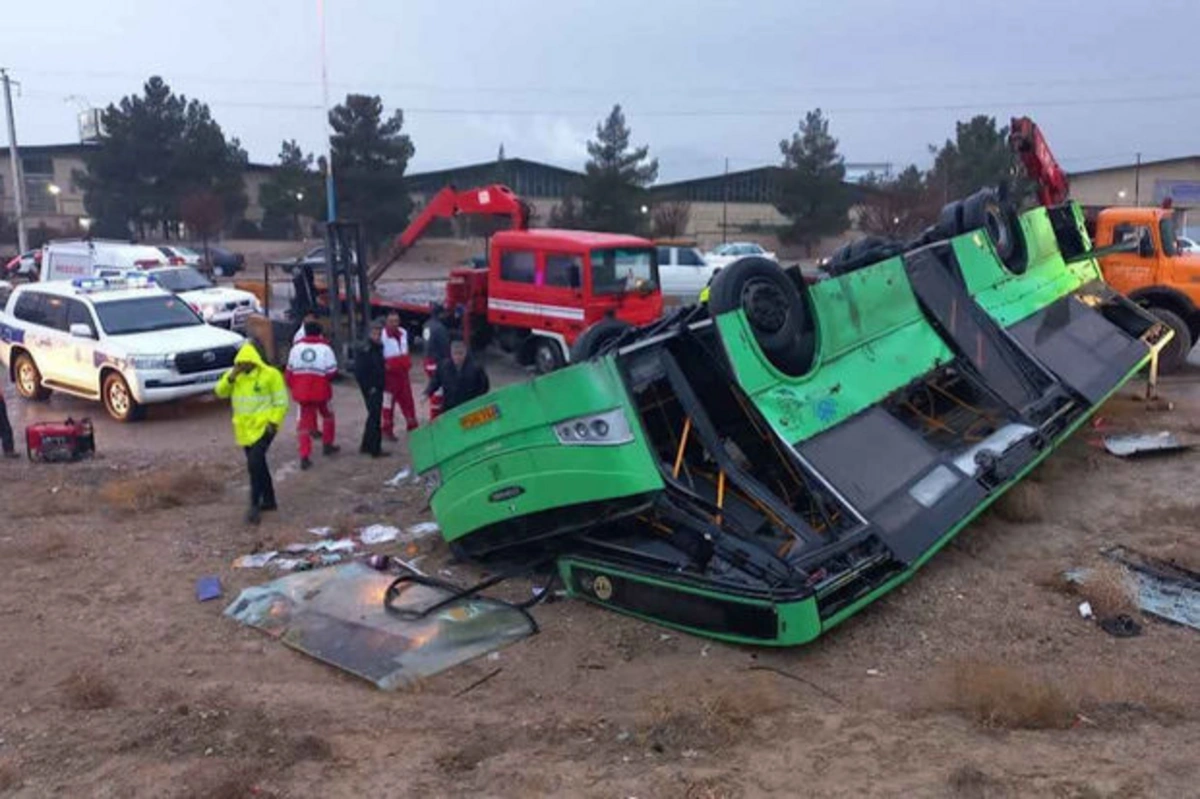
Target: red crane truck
{"x": 539, "y": 290}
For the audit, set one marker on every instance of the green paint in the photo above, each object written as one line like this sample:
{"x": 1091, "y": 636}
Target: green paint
{"x": 798, "y": 621}
{"x": 1009, "y": 298}
{"x": 519, "y": 449}
{"x": 872, "y": 339}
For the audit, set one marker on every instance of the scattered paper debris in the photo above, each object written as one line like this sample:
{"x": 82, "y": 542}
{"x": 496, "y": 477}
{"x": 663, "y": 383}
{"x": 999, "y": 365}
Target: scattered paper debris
{"x": 321, "y": 532}
{"x": 1085, "y": 610}
{"x": 399, "y": 477}
{"x": 423, "y": 529}
{"x": 1127, "y": 446}
{"x": 289, "y": 564}
{"x": 379, "y": 534}
{"x": 208, "y": 588}
{"x": 873, "y": 672}
{"x": 255, "y": 561}
{"x": 493, "y": 656}
{"x": 341, "y": 545}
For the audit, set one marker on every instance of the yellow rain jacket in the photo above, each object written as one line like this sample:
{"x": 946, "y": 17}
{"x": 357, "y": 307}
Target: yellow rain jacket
{"x": 259, "y": 397}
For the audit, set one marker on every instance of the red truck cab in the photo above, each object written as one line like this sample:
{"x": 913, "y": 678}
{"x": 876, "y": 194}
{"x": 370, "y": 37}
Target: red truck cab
{"x": 543, "y": 288}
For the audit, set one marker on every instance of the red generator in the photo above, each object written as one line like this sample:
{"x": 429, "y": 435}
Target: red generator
{"x": 60, "y": 441}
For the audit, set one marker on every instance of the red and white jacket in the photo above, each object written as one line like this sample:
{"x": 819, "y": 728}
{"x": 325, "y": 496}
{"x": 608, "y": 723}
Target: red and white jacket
{"x": 395, "y": 351}
{"x": 310, "y": 370}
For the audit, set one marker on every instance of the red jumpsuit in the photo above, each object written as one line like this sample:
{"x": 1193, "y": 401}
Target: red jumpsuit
{"x": 397, "y": 387}
{"x": 310, "y": 372}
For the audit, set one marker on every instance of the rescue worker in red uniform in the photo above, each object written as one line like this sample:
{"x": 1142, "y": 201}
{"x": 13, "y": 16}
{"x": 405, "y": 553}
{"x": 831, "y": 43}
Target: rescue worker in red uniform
{"x": 397, "y": 386}
{"x": 310, "y": 371}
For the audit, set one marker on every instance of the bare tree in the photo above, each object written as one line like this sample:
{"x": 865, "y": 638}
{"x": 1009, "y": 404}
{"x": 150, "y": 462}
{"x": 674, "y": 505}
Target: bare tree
{"x": 204, "y": 214}
{"x": 671, "y": 218}
{"x": 899, "y": 208}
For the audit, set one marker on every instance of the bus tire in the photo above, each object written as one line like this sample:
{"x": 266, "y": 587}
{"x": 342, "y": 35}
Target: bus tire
{"x": 593, "y": 340}
{"x": 773, "y": 308}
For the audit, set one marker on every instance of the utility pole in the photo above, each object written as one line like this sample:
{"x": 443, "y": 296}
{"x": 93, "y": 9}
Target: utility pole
{"x": 14, "y": 157}
{"x": 1137, "y": 181}
{"x": 725, "y": 203}
{"x": 330, "y": 197}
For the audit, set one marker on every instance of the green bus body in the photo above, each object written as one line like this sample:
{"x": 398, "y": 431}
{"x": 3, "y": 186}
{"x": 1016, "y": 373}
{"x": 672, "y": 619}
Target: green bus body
{"x": 504, "y": 477}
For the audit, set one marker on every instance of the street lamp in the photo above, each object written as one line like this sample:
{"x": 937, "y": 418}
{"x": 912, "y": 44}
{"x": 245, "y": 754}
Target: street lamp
{"x": 645, "y": 209}
{"x": 53, "y": 189}
{"x": 1121, "y": 194}
{"x": 299, "y": 196}
{"x": 85, "y": 223}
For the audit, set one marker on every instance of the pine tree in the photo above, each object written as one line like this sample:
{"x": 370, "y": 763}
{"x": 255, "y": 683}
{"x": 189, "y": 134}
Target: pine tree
{"x": 812, "y": 193}
{"x": 616, "y": 178}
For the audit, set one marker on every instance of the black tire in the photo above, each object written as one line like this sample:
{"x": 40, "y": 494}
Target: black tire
{"x": 773, "y": 307}
{"x": 547, "y": 355}
{"x": 950, "y": 220}
{"x": 592, "y": 340}
{"x": 118, "y": 399}
{"x": 1174, "y": 356}
{"x": 984, "y": 210}
{"x": 28, "y": 379}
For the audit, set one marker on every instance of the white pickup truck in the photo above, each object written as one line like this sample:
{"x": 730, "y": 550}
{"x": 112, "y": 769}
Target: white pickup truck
{"x": 125, "y": 341}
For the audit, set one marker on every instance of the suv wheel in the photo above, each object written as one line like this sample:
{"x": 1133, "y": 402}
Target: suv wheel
{"x": 118, "y": 399}
{"x": 29, "y": 379}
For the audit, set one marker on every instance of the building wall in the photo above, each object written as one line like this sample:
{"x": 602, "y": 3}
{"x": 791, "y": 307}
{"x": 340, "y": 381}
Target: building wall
{"x": 1144, "y": 186}
{"x": 41, "y": 207}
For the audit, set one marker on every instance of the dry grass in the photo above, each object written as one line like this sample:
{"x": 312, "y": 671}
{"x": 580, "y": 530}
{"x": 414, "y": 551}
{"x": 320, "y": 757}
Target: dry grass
{"x": 969, "y": 782}
{"x": 1009, "y": 697}
{"x": 10, "y": 775}
{"x": 1109, "y": 590}
{"x": 158, "y": 489}
{"x": 709, "y": 721}
{"x": 1024, "y": 503}
{"x": 235, "y": 782}
{"x": 88, "y": 689}
{"x": 41, "y": 504}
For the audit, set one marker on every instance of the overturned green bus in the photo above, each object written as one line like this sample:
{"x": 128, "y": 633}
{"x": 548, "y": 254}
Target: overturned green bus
{"x": 761, "y": 468}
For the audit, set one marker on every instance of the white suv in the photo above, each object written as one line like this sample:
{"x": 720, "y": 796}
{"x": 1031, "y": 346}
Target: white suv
{"x": 124, "y": 341}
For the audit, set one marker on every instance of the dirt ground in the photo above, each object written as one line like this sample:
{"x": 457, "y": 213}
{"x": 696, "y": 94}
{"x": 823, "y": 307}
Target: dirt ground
{"x": 977, "y": 679}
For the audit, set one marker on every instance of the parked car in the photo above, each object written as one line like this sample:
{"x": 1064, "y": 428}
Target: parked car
{"x": 217, "y": 305}
{"x": 314, "y": 258}
{"x": 727, "y": 253}
{"x": 25, "y": 266}
{"x": 178, "y": 255}
{"x": 124, "y": 341}
{"x": 225, "y": 262}
{"x": 67, "y": 259}
{"x": 683, "y": 271}
{"x": 1187, "y": 245}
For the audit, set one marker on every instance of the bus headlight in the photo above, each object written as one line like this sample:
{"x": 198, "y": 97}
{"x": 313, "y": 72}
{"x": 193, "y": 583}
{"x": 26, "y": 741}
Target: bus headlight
{"x": 596, "y": 430}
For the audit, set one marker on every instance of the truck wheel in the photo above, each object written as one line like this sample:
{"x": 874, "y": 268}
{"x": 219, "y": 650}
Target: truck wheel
{"x": 773, "y": 308}
{"x": 593, "y": 340}
{"x": 984, "y": 210}
{"x": 547, "y": 356}
{"x": 119, "y": 401}
{"x": 1175, "y": 355}
{"x": 29, "y": 379}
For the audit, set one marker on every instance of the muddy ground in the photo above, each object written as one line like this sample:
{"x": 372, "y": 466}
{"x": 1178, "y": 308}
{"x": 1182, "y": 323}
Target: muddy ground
{"x": 977, "y": 679}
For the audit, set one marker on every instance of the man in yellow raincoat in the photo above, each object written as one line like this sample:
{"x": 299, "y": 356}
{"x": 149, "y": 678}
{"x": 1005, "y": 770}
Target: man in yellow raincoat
{"x": 259, "y": 398}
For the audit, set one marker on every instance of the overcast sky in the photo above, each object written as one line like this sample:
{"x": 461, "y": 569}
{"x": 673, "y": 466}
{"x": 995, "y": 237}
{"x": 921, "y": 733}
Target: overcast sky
{"x": 700, "y": 80}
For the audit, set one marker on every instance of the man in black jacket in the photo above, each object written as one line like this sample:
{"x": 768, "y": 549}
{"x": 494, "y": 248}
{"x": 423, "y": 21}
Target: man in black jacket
{"x": 459, "y": 378}
{"x": 369, "y": 371}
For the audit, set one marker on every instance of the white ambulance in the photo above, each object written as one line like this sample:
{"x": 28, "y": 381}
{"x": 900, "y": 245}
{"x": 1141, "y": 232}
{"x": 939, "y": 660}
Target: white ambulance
{"x": 218, "y": 305}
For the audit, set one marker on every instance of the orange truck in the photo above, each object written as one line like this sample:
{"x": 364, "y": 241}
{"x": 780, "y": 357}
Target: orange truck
{"x": 1156, "y": 274}
{"x": 1137, "y": 248}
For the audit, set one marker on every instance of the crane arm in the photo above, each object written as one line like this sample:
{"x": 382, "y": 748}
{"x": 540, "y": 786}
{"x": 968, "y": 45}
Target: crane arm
{"x": 1026, "y": 140}
{"x": 493, "y": 200}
